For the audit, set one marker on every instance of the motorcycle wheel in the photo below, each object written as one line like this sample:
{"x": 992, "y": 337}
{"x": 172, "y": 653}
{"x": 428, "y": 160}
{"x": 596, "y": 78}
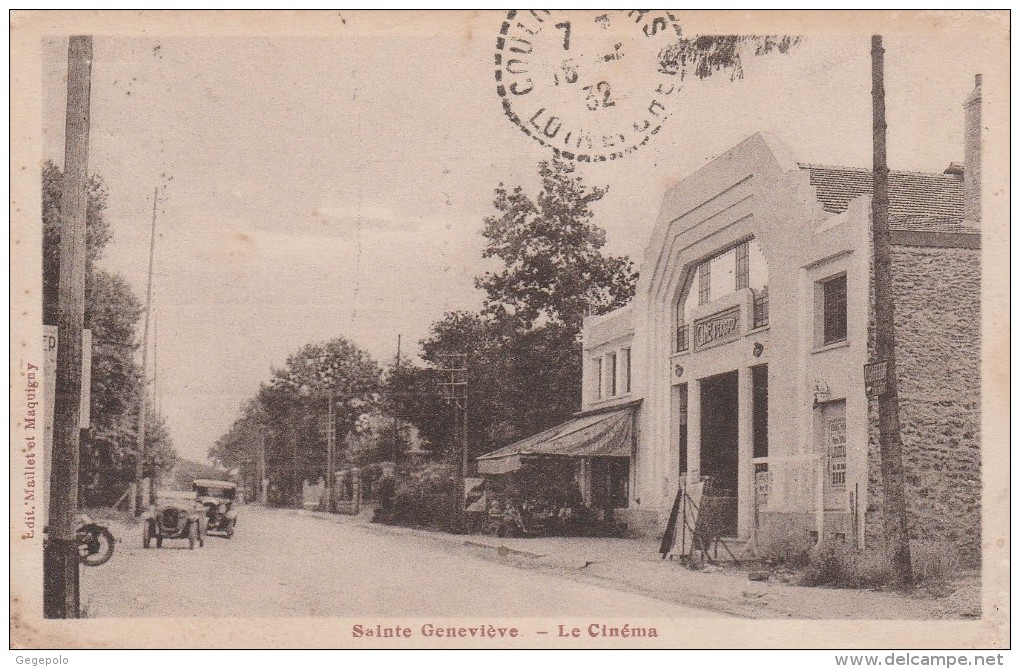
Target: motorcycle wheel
{"x": 100, "y": 543}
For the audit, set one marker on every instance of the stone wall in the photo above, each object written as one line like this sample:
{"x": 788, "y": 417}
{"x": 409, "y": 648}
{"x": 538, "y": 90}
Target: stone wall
{"x": 938, "y": 331}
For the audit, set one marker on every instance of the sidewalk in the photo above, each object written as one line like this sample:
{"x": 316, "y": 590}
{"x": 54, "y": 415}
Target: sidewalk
{"x": 634, "y": 565}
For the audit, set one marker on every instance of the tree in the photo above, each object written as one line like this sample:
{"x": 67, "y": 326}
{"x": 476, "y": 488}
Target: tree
{"x": 523, "y": 348}
{"x": 97, "y": 232}
{"x": 107, "y": 449}
{"x": 240, "y": 447}
{"x": 336, "y": 369}
{"x": 286, "y": 416}
{"x": 112, "y": 312}
{"x": 554, "y": 270}
{"x": 410, "y": 394}
{"x": 706, "y": 55}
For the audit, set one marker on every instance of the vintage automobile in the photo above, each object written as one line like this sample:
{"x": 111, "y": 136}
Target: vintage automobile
{"x": 217, "y": 499}
{"x": 175, "y": 515}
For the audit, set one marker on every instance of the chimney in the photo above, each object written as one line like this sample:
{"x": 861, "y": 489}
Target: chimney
{"x": 972, "y": 155}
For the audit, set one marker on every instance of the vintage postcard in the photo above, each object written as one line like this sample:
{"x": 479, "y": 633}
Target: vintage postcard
{"x": 509, "y": 329}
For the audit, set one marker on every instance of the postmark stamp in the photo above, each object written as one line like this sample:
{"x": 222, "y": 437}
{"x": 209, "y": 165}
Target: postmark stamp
{"x": 592, "y": 86}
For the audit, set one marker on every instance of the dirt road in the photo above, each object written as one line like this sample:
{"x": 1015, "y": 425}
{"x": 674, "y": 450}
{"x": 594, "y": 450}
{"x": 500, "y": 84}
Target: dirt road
{"x": 290, "y": 563}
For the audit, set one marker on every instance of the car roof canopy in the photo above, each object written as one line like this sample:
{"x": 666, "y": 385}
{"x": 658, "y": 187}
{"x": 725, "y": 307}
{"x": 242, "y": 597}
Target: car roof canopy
{"x": 211, "y": 483}
{"x": 175, "y": 495}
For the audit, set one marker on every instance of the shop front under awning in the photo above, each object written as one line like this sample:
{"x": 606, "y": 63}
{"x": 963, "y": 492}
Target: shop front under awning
{"x": 606, "y": 434}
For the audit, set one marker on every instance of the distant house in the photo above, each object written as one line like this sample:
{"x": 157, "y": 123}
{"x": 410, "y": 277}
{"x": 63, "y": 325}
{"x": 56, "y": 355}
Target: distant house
{"x": 741, "y": 358}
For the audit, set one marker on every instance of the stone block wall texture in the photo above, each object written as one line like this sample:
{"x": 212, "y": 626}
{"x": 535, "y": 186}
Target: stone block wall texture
{"x": 938, "y": 331}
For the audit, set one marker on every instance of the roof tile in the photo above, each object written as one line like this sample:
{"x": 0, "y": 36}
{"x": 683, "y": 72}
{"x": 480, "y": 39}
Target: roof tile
{"x": 917, "y": 200}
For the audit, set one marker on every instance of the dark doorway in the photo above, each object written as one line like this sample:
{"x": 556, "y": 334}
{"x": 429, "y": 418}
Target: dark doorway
{"x": 719, "y": 445}
{"x": 760, "y": 408}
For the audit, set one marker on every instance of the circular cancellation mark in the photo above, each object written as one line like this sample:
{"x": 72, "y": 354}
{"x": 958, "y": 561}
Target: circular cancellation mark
{"x": 592, "y": 86}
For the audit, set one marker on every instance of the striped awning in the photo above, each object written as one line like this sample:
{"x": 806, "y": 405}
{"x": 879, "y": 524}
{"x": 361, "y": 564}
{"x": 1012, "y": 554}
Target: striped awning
{"x": 607, "y": 434}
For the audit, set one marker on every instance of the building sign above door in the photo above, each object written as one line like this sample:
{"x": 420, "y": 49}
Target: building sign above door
{"x": 717, "y": 328}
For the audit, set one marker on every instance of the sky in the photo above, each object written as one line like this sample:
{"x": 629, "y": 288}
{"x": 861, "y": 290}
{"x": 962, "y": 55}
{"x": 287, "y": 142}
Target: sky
{"x": 322, "y": 187}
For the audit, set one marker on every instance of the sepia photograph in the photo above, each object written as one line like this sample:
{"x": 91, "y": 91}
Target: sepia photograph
{"x": 509, "y": 329}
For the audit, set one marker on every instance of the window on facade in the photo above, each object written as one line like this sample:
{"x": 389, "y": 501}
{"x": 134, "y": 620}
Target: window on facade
{"x": 739, "y": 267}
{"x": 625, "y": 371}
{"x": 683, "y": 339}
{"x": 758, "y": 282}
{"x": 704, "y": 284}
{"x": 761, "y": 308}
{"x": 683, "y": 317}
{"x": 757, "y": 268}
{"x": 834, "y": 310}
{"x": 597, "y": 364}
{"x": 611, "y": 375}
{"x": 743, "y": 270}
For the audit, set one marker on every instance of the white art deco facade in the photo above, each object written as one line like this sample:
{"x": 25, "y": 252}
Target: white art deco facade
{"x": 742, "y": 354}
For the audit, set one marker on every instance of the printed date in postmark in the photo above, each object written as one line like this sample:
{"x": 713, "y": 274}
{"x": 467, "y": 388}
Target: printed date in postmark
{"x": 592, "y": 86}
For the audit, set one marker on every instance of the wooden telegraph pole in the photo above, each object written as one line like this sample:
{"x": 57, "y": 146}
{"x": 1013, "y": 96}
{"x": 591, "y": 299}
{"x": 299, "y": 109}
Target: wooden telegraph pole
{"x": 60, "y": 557}
{"x": 455, "y": 393}
{"x": 262, "y": 497}
{"x": 894, "y": 501}
{"x": 395, "y": 453}
{"x": 140, "y": 454}
{"x": 327, "y": 492}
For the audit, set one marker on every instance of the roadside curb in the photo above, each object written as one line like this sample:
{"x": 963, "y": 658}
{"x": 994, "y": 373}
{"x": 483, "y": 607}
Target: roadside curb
{"x": 503, "y": 550}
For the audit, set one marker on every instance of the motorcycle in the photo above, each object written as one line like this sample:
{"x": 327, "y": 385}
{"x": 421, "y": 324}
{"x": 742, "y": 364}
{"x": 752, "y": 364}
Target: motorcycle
{"x": 95, "y": 542}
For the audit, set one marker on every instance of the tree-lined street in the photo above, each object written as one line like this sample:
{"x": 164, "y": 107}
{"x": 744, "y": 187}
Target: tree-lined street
{"x": 517, "y": 363}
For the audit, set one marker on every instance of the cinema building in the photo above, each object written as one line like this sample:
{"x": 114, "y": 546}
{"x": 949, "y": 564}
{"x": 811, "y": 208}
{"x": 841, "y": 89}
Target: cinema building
{"x": 741, "y": 358}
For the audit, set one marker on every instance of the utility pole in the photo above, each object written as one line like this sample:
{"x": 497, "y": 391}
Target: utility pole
{"x": 396, "y": 423}
{"x": 155, "y": 363}
{"x": 455, "y": 393}
{"x": 155, "y": 393}
{"x": 140, "y": 455}
{"x": 296, "y": 489}
{"x": 262, "y": 465}
{"x": 327, "y": 491}
{"x": 894, "y": 501}
{"x": 60, "y": 556}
